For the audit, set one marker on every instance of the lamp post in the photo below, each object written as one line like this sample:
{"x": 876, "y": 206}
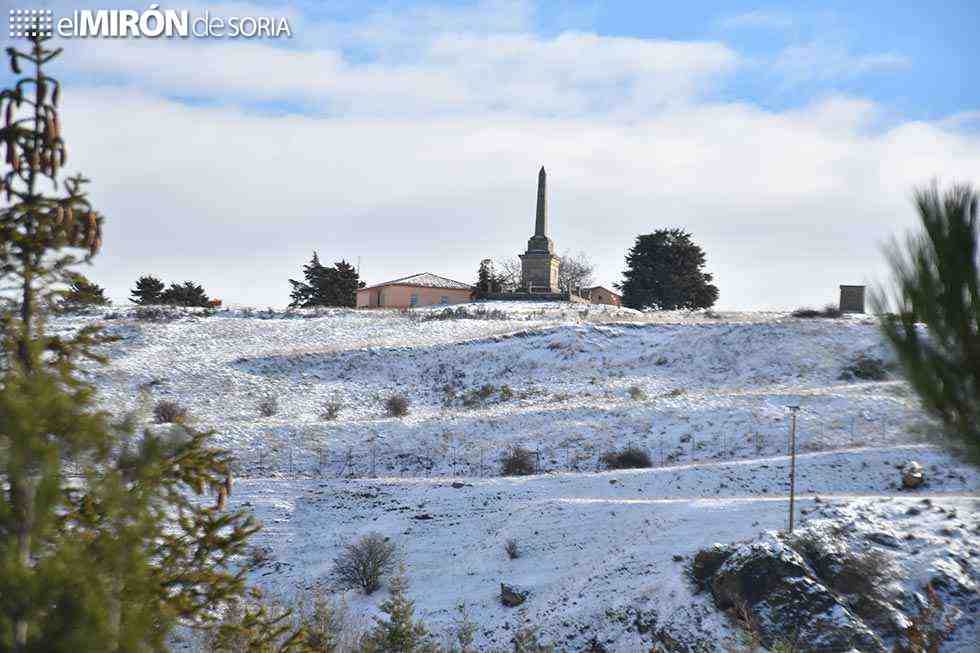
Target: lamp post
{"x": 792, "y": 463}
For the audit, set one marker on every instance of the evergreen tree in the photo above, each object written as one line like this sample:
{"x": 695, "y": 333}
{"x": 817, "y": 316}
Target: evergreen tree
{"x": 83, "y": 292}
{"x": 399, "y": 632}
{"x": 148, "y": 290}
{"x": 325, "y": 286}
{"x": 185, "y": 294}
{"x": 664, "y": 271}
{"x": 111, "y": 558}
{"x": 937, "y": 283}
{"x": 487, "y": 281}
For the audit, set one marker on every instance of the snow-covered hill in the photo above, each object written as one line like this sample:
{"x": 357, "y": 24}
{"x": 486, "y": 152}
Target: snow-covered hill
{"x": 705, "y": 395}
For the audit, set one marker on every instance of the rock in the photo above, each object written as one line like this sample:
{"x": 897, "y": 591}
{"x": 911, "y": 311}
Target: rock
{"x": 511, "y": 597}
{"x": 707, "y": 561}
{"x": 912, "y": 476}
{"x": 784, "y": 595}
{"x": 423, "y": 516}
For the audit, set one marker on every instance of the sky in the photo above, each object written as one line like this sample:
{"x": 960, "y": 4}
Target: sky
{"x": 406, "y": 137}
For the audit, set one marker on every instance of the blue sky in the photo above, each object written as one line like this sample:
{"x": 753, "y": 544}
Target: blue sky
{"x": 786, "y": 137}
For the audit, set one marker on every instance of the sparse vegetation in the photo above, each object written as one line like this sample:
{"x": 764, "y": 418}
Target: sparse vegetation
{"x": 828, "y": 311}
{"x": 364, "y": 562}
{"x": 461, "y": 313}
{"x": 866, "y": 368}
{"x": 167, "y": 411}
{"x": 331, "y": 411}
{"x": 636, "y": 393}
{"x": 396, "y": 405}
{"x": 628, "y": 458}
{"x": 518, "y": 461}
{"x": 269, "y": 406}
{"x": 512, "y": 549}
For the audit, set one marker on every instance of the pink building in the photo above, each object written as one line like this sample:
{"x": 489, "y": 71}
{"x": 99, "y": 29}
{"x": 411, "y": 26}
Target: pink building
{"x": 602, "y": 295}
{"x": 423, "y": 289}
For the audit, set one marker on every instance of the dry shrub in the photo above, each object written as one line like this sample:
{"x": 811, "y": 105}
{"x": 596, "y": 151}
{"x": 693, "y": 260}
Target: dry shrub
{"x": 396, "y": 406}
{"x": 636, "y": 393}
{"x": 628, "y": 458}
{"x": 513, "y": 551}
{"x": 269, "y": 406}
{"x": 167, "y": 411}
{"x": 331, "y": 410}
{"x": 363, "y": 563}
{"x": 517, "y": 461}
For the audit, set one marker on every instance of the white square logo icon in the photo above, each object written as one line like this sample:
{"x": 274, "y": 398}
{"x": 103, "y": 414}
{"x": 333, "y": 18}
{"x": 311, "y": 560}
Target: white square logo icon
{"x": 25, "y": 23}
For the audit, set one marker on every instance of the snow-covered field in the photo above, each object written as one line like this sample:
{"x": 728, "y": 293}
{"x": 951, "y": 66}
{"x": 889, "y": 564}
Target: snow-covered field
{"x": 705, "y": 395}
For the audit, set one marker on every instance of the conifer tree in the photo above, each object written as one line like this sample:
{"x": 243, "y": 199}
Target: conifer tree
{"x": 148, "y": 290}
{"x": 113, "y": 556}
{"x": 937, "y": 284}
{"x": 399, "y": 632}
{"x": 325, "y": 286}
{"x": 185, "y": 294}
{"x": 665, "y": 272}
{"x": 83, "y": 292}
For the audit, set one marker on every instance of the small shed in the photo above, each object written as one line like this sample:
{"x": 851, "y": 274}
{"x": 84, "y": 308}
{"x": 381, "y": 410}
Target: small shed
{"x": 424, "y": 289}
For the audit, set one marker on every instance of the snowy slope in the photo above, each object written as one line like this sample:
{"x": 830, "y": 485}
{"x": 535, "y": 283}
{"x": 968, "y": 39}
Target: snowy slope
{"x": 705, "y": 395}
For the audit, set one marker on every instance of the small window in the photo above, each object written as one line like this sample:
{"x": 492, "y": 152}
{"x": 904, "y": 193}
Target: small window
{"x": 444, "y": 300}
{"x": 414, "y": 300}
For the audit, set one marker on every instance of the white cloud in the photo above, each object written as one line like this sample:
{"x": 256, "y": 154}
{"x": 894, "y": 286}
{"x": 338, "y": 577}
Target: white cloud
{"x": 817, "y": 61}
{"x": 787, "y": 205}
{"x": 759, "y": 19}
{"x": 569, "y": 74}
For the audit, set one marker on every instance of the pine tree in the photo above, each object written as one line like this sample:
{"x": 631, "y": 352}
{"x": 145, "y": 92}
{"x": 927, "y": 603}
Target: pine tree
{"x": 487, "y": 281}
{"x": 148, "y": 291}
{"x": 112, "y": 557}
{"x": 399, "y": 632}
{"x": 83, "y": 292}
{"x": 937, "y": 283}
{"x": 185, "y": 294}
{"x": 325, "y": 286}
{"x": 665, "y": 272}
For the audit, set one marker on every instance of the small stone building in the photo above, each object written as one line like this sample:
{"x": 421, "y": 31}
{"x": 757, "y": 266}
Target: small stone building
{"x": 602, "y": 295}
{"x": 425, "y": 289}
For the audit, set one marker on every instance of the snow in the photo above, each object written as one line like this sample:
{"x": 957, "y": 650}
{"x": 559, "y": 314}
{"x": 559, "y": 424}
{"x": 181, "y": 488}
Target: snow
{"x": 599, "y": 546}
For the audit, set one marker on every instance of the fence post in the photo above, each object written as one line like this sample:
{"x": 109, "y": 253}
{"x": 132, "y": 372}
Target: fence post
{"x": 373, "y": 460}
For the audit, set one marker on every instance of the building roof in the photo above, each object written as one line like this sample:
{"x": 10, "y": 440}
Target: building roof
{"x": 424, "y": 280}
{"x": 612, "y": 292}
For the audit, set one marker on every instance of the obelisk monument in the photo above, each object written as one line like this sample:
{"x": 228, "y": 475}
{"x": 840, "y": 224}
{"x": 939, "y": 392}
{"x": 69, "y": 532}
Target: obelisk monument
{"x": 539, "y": 265}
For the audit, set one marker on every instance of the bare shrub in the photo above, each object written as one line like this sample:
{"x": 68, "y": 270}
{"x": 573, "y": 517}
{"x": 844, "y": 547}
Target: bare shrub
{"x": 396, "y": 405}
{"x": 331, "y": 411}
{"x": 628, "y": 458}
{"x": 828, "y": 311}
{"x": 363, "y": 563}
{"x": 517, "y": 461}
{"x": 513, "y": 551}
{"x": 269, "y": 406}
{"x": 167, "y": 411}
{"x": 866, "y": 368}
{"x": 636, "y": 393}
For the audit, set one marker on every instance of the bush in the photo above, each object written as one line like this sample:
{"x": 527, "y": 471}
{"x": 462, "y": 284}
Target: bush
{"x": 364, "y": 562}
{"x": 518, "y": 461}
{"x": 829, "y": 311}
{"x": 866, "y": 368}
{"x": 628, "y": 458}
{"x": 636, "y": 393}
{"x": 331, "y": 410}
{"x": 397, "y": 406}
{"x": 513, "y": 551}
{"x": 156, "y": 314}
{"x": 462, "y": 313}
{"x": 169, "y": 412}
{"x": 269, "y": 406}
